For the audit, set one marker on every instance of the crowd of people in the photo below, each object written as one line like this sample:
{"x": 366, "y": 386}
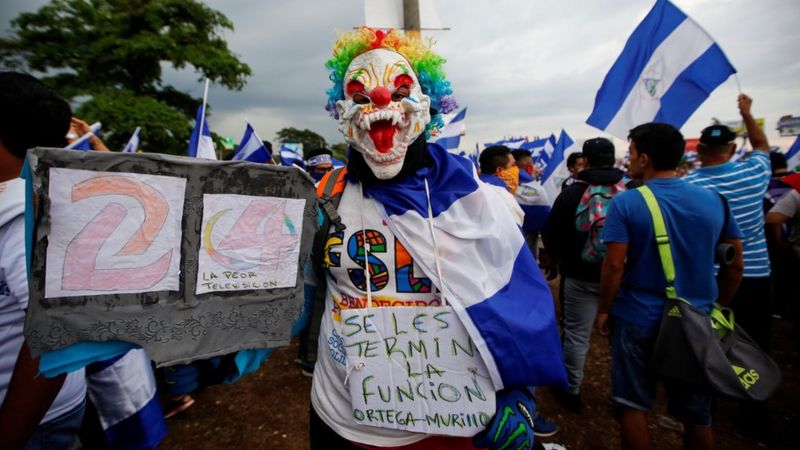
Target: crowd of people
{"x": 599, "y": 238}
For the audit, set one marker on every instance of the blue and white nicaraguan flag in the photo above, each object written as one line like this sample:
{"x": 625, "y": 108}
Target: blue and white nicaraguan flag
{"x": 123, "y": 390}
{"x": 541, "y": 149}
{"x": 82, "y": 143}
{"x": 668, "y": 67}
{"x": 201, "y": 145}
{"x": 533, "y": 200}
{"x": 489, "y": 276}
{"x": 133, "y": 142}
{"x": 292, "y": 154}
{"x": 252, "y": 148}
{"x": 793, "y": 156}
{"x": 450, "y": 135}
{"x": 555, "y": 172}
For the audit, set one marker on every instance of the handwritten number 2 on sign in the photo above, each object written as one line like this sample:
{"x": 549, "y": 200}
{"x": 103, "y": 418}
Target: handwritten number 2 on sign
{"x": 80, "y": 271}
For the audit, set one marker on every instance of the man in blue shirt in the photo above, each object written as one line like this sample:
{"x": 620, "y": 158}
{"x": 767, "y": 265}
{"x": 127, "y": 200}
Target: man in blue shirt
{"x": 632, "y": 283}
{"x": 744, "y": 184}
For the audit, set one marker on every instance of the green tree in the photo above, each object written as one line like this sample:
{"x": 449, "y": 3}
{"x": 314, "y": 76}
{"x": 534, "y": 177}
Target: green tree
{"x": 308, "y": 138}
{"x": 109, "y": 55}
{"x": 339, "y": 151}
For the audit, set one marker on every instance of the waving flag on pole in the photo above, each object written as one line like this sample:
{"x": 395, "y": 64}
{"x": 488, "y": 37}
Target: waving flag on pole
{"x": 450, "y": 135}
{"x": 556, "y": 170}
{"x": 200, "y": 143}
{"x": 252, "y": 148}
{"x": 488, "y": 275}
{"x": 793, "y": 156}
{"x": 82, "y": 143}
{"x": 292, "y": 154}
{"x": 668, "y": 67}
{"x": 133, "y": 142}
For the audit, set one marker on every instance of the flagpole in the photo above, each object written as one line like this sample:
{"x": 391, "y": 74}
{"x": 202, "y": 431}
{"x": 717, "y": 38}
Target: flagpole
{"x": 738, "y": 83}
{"x": 203, "y": 115}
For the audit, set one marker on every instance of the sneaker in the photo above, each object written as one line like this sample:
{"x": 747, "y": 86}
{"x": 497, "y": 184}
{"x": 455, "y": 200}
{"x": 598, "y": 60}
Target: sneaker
{"x": 308, "y": 369}
{"x": 543, "y": 427}
{"x": 570, "y": 402}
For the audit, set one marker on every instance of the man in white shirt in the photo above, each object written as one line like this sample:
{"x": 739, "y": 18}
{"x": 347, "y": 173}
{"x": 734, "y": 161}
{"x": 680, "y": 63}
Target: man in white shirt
{"x": 37, "y": 412}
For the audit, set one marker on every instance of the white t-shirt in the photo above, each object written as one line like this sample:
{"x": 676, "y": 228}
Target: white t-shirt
{"x": 14, "y": 300}
{"x": 789, "y": 206}
{"x": 397, "y": 281}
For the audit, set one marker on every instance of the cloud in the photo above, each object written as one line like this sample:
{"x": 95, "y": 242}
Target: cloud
{"x": 522, "y": 68}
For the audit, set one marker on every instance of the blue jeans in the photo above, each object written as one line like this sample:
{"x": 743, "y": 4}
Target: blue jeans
{"x": 633, "y": 384}
{"x": 59, "y": 433}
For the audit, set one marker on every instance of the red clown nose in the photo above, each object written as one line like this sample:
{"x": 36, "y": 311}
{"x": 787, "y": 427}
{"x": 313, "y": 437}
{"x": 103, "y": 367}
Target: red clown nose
{"x": 380, "y": 96}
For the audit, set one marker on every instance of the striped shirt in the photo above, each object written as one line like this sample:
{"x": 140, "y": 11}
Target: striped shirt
{"x": 744, "y": 184}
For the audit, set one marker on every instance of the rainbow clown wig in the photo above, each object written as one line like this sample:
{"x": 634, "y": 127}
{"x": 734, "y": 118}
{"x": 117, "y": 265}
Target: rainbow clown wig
{"x": 427, "y": 65}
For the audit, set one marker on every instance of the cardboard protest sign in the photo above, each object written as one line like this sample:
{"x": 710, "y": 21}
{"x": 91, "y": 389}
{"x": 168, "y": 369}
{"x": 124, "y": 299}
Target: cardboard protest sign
{"x": 118, "y": 245}
{"x": 416, "y": 369}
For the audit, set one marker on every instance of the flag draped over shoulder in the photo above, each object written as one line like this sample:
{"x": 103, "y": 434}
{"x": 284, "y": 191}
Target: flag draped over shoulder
{"x": 252, "y": 148}
{"x": 668, "y": 67}
{"x": 490, "y": 277}
{"x": 123, "y": 390}
{"x": 201, "y": 145}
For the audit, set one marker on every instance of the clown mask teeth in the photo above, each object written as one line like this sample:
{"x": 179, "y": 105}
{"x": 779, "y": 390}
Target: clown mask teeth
{"x": 383, "y": 111}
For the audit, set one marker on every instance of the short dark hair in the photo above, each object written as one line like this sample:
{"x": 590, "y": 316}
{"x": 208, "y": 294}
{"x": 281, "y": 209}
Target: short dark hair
{"x": 573, "y": 158}
{"x": 318, "y": 151}
{"x": 31, "y": 114}
{"x": 493, "y": 157}
{"x": 777, "y": 160}
{"x": 662, "y": 142}
{"x": 520, "y": 153}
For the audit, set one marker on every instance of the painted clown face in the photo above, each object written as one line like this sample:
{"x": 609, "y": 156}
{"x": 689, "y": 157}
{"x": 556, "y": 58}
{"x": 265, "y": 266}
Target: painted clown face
{"x": 383, "y": 111}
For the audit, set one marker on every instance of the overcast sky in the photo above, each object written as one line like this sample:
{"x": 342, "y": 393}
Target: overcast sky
{"x": 524, "y": 67}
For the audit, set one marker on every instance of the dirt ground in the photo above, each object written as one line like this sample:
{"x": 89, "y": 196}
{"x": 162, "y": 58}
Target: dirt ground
{"x": 269, "y": 409}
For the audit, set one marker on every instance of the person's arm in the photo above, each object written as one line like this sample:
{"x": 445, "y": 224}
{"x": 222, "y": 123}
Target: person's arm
{"x": 81, "y": 128}
{"x": 610, "y": 280}
{"x": 756, "y": 135}
{"x": 730, "y": 275}
{"x": 28, "y": 398}
{"x": 774, "y": 222}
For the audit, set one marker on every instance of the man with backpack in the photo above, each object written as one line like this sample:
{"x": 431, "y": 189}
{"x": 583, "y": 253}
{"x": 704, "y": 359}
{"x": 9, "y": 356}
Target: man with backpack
{"x": 572, "y": 237}
{"x": 633, "y": 286}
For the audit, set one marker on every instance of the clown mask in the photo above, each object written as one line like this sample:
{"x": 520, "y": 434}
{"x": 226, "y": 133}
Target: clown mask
{"x": 383, "y": 111}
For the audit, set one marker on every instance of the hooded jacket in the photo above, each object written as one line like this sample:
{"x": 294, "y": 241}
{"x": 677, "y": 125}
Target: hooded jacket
{"x": 562, "y": 237}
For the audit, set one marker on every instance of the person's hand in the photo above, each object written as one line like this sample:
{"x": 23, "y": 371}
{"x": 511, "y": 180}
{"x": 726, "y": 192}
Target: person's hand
{"x": 745, "y": 103}
{"x": 512, "y": 424}
{"x": 548, "y": 265}
{"x": 601, "y": 324}
{"x": 79, "y": 127}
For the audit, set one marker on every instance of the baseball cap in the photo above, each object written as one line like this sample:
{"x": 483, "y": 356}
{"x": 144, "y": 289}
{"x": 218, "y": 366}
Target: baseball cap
{"x": 717, "y": 135}
{"x": 598, "y": 146}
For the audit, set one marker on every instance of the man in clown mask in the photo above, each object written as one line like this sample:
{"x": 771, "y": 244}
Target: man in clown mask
{"x": 415, "y": 227}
